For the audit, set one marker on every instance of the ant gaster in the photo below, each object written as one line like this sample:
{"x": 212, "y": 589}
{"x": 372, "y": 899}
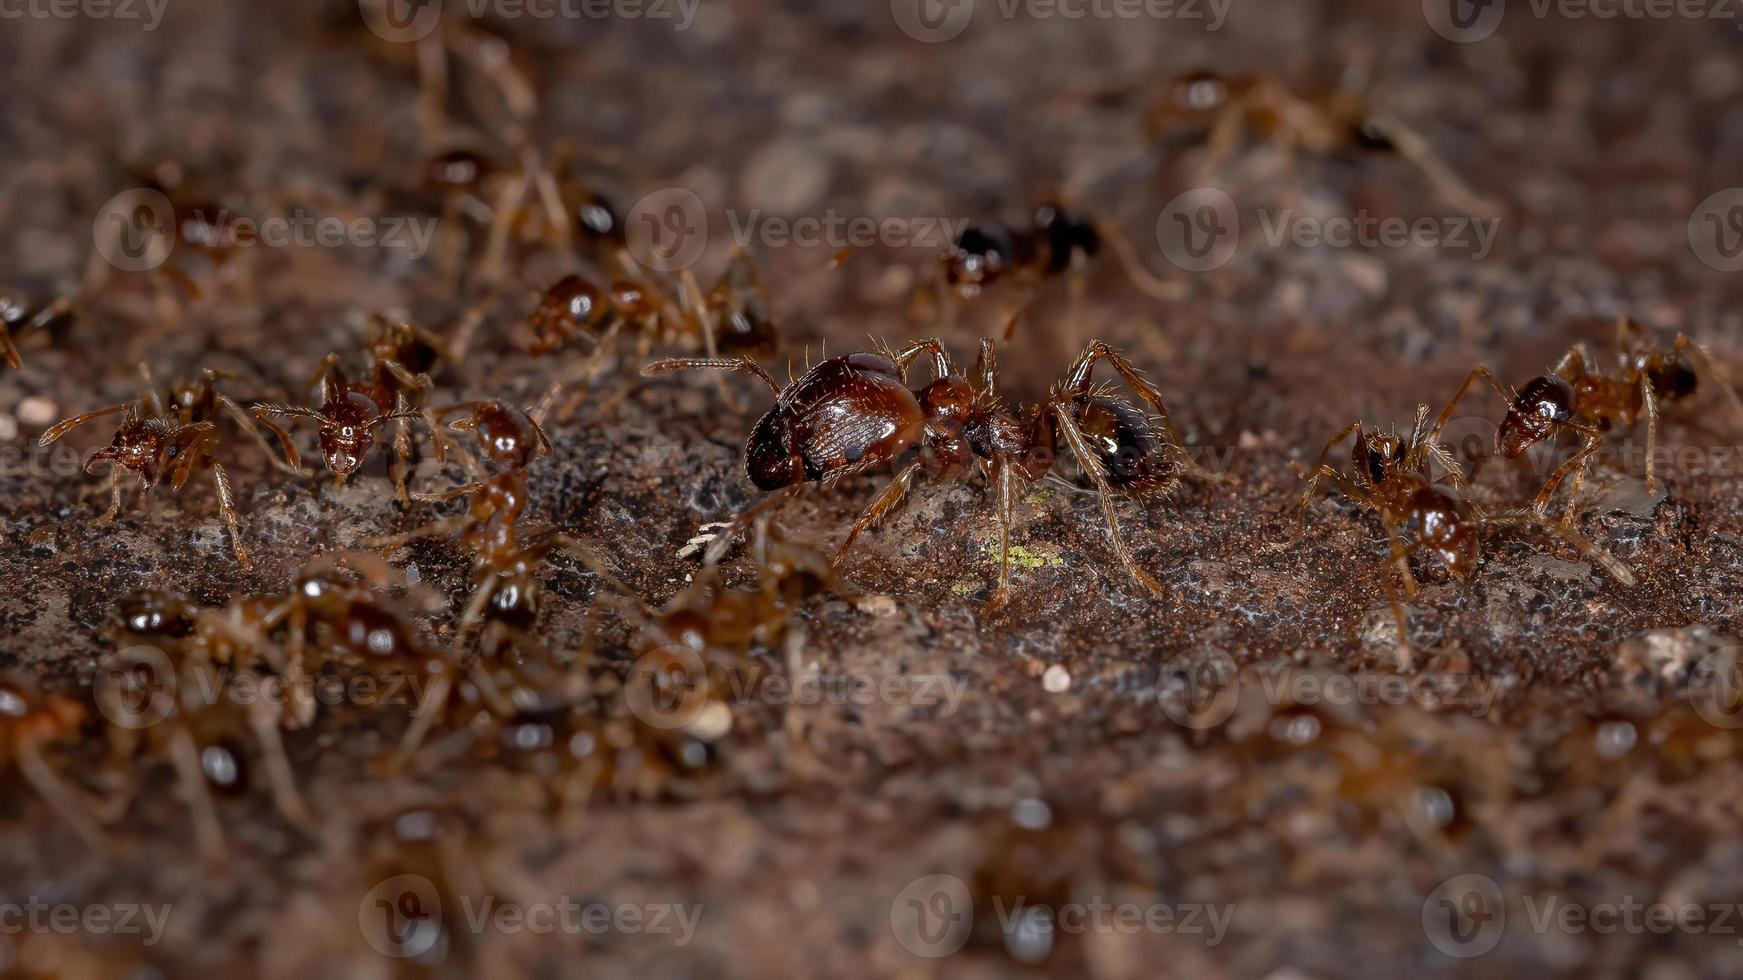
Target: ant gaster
{"x": 855, "y": 413}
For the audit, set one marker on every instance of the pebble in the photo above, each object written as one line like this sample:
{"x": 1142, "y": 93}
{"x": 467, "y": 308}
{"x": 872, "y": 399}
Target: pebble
{"x": 1057, "y": 680}
{"x": 37, "y": 410}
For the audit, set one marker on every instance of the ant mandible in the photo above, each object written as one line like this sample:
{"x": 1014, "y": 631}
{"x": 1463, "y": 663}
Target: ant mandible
{"x": 1392, "y": 477}
{"x": 179, "y": 438}
{"x": 1579, "y": 395}
{"x": 855, "y": 413}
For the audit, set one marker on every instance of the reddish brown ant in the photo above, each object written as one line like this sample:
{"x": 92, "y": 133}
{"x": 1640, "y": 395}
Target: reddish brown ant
{"x": 1229, "y": 109}
{"x": 1581, "y": 396}
{"x": 179, "y": 435}
{"x": 31, "y": 721}
{"x": 17, "y": 317}
{"x": 349, "y": 414}
{"x": 853, "y": 414}
{"x": 1392, "y": 477}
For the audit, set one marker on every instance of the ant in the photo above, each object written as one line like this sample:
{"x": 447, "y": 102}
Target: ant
{"x": 855, "y": 413}
{"x": 32, "y": 720}
{"x": 349, "y": 414}
{"x": 17, "y": 317}
{"x": 1580, "y": 396}
{"x": 1392, "y": 477}
{"x": 1228, "y": 109}
{"x": 177, "y": 434}
{"x": 506, "y": 595}
{"x": 1056, "y": 241}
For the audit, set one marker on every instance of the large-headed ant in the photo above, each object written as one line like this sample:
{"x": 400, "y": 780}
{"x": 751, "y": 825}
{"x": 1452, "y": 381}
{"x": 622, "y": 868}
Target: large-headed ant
{"x": 1393, "y": 477}
{"x": 349, "y": 414}
{"x": 18, "y": 317}
{"x": 1583, "y": 397}
{"x": 1227, "y": 110}
{"x": 855, "y": 413}
{"x": 177, "y": 434}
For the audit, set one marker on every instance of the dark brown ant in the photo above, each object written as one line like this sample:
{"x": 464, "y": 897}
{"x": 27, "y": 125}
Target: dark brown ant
{"x": 1581, "y": 396}
{"x": 349, "y": 414}
{"x": 1392, "y": 477}
{"x": 177, "y": 435}
{"x": 1230, "y": 109}
{"x": 17, "y": 318}
{"x": 1056, "y": 241}
{"x": 853, "y": 414}
{"x": 31, "y": 721}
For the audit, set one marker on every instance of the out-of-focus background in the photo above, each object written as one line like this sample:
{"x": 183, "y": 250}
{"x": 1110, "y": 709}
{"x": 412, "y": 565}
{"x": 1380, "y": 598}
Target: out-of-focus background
{"x": 1232, "y": 781}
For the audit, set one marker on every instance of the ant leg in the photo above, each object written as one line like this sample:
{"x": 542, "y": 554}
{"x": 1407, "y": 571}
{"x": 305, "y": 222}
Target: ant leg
{"x": 1005, "y": 480}
{"x": 1405, "y": 652}
{"x": 393, "y": 543}
{"x": 1400, "y": 555}
{"x": 1649, "y": 399}
{"x": 10, "y": 350}
{"x": 885, "y": 502}
{"x": 278, "y": 769}
{"x": 717, "y": 549}
{"x": 1092, "y": 466}
{"x": 1480, "y": 371}
{"x": 1704, "y": 358}
{"x": 941, "y": 363}
{"x": 598, "y": 568}
{"x": 209, "y": 834}
{"x": 227, "y": 507}
{"x": 737, "y": 362}
{"x": 1319, "y": 472}
{"x": 59, "y": 796}
{"x": 1573, "y": 363}
{"x": 290, "y": 461}
{"x": 1447, "y": 183}
{"x": 705, "y": 324}
{"x": 115, "y": 480}
{"x": 986, "y": 369}
{"x": 1591, "y": 552}
{"x": 507, "y": 206}
{"x": 429, "y": 706}
{"x": 1137, "y": 273}
{"x": 1540, "y": 505}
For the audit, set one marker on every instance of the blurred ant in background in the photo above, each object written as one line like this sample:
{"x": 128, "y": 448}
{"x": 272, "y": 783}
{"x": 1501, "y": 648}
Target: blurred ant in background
{"x": 178, "y": 434}
{"x": 19, "y": 319}
{"x": 32, "y": 721}
{"x": 1583, "y": 396}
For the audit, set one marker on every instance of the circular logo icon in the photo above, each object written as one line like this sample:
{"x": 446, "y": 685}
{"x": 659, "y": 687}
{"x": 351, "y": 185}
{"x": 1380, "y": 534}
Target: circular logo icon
{"x": 401, "y": 21}
{"x": 933, "y": 915}
{"x": 135, "y": 687}
{"x": 135, "y": 230}
{"x": 932, "y": 21}
{"x": 1716, "y": 689}
{"x": 402, "y": 916}
{"x": 667, "y": 688}
{"x": 1200, "y": 230}
{"x": 1464, "y": 21}
{"x": 1716, "y": 230}
{"x": 668, "y": 229}
{"x": 1200, "y": 696}
{"x": 1465, "y": 916}
{"x": 1469, "y": 439}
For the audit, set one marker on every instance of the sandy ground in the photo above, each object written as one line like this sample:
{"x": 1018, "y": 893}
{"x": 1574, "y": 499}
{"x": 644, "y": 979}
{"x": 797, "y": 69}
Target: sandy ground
{"x": 1229, "y": 781}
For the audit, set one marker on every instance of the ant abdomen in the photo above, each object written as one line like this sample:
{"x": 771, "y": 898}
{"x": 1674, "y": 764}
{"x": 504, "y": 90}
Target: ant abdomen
{"x": 983, "y": 254}
{"x": 1446, "y": 526}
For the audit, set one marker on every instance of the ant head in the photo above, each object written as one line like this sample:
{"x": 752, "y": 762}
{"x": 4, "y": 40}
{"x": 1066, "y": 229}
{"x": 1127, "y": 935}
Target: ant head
{"x": 456, "y": 172}
{"x": 979, "y": 256}
{"x": 768, "y": 458}
{"x": 1447, "y": 527}
{"x": 507, "y": 435}
{"x": 153, "y": 613}
{"x": 1378, "y": 455}
{"x": 347, "y": 432}
{"x": 142, "y": 445}
{"x": 597, "y": 218}
{"x": 1189, "y": 100}
{"x": 1543, "y": 403}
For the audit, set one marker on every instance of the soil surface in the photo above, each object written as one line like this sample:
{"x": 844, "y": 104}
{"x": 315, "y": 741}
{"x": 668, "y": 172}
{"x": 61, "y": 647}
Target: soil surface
{"x": 1238, "y": 778}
